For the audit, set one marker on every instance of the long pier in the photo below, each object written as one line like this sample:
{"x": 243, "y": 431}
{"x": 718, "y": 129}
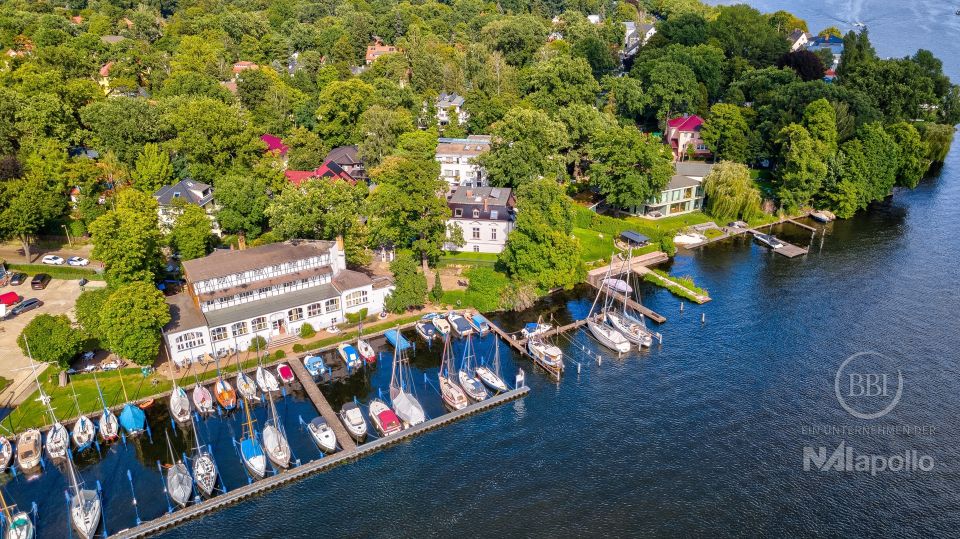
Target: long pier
{"x": 256, "y": 488}
{"x": 321, "y": 404}
{"x": 645, "y": 311}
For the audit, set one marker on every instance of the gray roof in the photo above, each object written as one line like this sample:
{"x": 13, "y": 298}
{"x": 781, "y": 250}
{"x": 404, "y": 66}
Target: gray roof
{"x": 225, "y": 262}
{"x": 349, "y": 280}
{"x": 694, "y": 169}
{"x": 188, "y": 190}
{"x": 476, "y": 195}
{"x": 280, "y": 303}
{"x": 679, "y": 182}
{"x": 343, "y": 155}
{"x": 449, "y": 100}
{"x": 184, "y": 314}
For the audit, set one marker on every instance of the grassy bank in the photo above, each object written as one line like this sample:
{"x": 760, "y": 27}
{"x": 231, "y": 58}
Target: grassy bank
{"x": 468, "y": 259}
{"x": 57, "y": 272}
{"x": 348, "y": 334}
{"x": 687, "y": 289}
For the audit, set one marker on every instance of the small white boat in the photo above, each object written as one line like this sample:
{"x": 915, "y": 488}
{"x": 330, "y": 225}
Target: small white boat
{"x": 323, "y": 435}
{"x": 352, "y": 419}
{"x": 608, "y": 336}
{"x": 250, "y": 449}
{"x": 480, "y": 323}
{"x": 247, "y": 388}
{"x": 18, "y": 523}
{"x": 490, "y": 376}
{"x": 442, "y": 326}
{"x": 29, "y": 449}
{"x": 383, "y": 418}
{"x": 692, "y": 238}
{"x": 6, "y": 453}
{"x": 350, "y": 355}
{"x": 405, "y": 404}
{"x": 266, "y": 381}
{"x": 634, "y": 332}
{"x": 83, "y": 433}
{"x": 426, "y": 329}
{"x": 534, "y": 329}
{"x": 366, "y": 351}
{"x": 202, "y": 399}
{"x": 204, "y": 467}
{"x": 85, "y": 512}
{"x": 466, "y": 376}
{"x": 315, "y": 366}
{"x": 452, "y": 395}
{"x": 179, "y": 405}
{"x": 768, "y": 240}
{"x": 58, "y": 441}
{"x": 108, "y": 426}
{"x": 822, "y": 216}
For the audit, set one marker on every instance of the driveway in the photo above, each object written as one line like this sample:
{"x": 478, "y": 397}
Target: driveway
{"x": 58, "y": 298}
{"x": 12, "y": 252}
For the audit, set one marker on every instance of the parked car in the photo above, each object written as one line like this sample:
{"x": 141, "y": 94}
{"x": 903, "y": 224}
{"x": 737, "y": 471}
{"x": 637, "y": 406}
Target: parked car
{"x": 17, "y": 278}
{"x": 26, "y": 305}
{"x": 110, "y": 365}
{"x": 40, "y": 281}
{"x": 52, "y": 260}
{"x": 77, "y": 261}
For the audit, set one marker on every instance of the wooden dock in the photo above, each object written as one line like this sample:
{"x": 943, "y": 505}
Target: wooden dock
{"x": 645, "y": 311}
{"x": 321, "y": 404}
{"x": 245, "y": 492}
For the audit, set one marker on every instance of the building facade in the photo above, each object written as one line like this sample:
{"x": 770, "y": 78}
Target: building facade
{"x": 683, "y": 136}
{"x": 458, "y": 160}
{"x": 683, "y": 194}
{"x": 451, "y": 102}
{"x": 271, "y": 291}
{"x": 189, "y": 192}
{"x": 485, "y": 215}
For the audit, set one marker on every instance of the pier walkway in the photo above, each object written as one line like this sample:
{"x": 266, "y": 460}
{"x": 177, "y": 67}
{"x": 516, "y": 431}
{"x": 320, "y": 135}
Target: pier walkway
{"x": 321, "y": 404}
{"x": 236, "y": 495}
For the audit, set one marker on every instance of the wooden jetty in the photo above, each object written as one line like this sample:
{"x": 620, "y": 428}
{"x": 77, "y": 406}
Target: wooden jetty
{"x": 245, "y": 492}
{"x": 645, "y": 311}
{"x": 321, "y": 404}
{"x": 788, "y": 250}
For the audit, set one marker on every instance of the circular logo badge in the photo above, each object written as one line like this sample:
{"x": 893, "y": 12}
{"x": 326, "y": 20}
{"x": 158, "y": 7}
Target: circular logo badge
{"x": 868, "y": 385}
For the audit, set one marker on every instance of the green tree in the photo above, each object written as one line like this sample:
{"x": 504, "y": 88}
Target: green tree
{"x": 27, "y": 206}
{"x": 541, "y": 249}
{"x": 436, "y": 293}
{"x": 913, "y": 158}
{"x": 560, "y": 81}
{"x": 191, "y": 232}
{"x": 625, "y": 97}
{"x": 127, "y": 238}
{"x": 726, "y": 133}
{"x": 627, "y": 166}
{"x": 526, "y": 145}
{"x": 938, "y": 139}
{"x": 123, "y": 126}
{"x": 242, "y": 197}
{"x": 742, "y": 31}
{"x": 88, "y": 308}
{"x": 339, "y": 107}
{"x": 820, "y": 119}
{"x": 51, "y": 339}
{"x": 131, "y": 321}
{"x": 152, "y": 169}
{"x": 306, "y": 149}
{"x": 378, "y": 130}
{"x": 516, "y": 37}
{"x": 731, "y": 193}
{"x": 410, "y": 285}
{"x": 803, "y": 169}
{"x": 318, "y": 209}
{"x": 673, "y": 90}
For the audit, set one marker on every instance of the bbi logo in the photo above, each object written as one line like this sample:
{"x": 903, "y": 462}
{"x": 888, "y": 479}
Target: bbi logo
{"x": 868, "y": 385}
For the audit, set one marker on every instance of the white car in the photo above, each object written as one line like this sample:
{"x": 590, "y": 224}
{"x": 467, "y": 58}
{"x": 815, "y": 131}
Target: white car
{"x": 53, "y": 260}
{"x": 77, "y": 261}
{"x": 110, "y": 366}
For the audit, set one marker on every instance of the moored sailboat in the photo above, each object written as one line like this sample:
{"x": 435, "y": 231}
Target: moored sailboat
{"x": 490, "y": 375}
{"x": 466, "y": 375}
{"x": 250, "y": 449}
{"x": 83, "y": 431}
{"x": 224, "y": 392}
{"x": 366, "y": 351}
{"x": 266, "y": 381}
{"x": 179, "y": 482}
{"x": 608, "y": 336}
{"x": 405, "y": 404}
{"x": 85, "y": 505}
{"x": 626, "y": 320}
{"x": 245, "y": 386}
{"x": 132, "y": 418}
{"x": 19, "y": 524}
{"x": 179, "y": 405}
{"x": 383, "y": 418}
{"x": 453, "y": 396}
{"x": 204, "y": 467}
{"x": 6, "y": 453}
{"x": 107, "y": 425}
{"x": 274, "y": 438}
{"x": 58, "y": 441}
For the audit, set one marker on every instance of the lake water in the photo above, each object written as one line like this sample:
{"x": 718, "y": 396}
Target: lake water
{"x": 701, "y": 436}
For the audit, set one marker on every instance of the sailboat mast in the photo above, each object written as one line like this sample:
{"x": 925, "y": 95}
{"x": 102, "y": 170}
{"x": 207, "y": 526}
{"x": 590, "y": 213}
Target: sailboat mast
{"x": 6, "y": 510}
{"x": 393, "y": 368}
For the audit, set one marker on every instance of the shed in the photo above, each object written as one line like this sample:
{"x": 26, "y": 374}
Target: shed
{"x": 634, "y": 239}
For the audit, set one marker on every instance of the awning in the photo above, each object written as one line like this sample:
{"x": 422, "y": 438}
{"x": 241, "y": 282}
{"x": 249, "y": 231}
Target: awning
{"x": 634, "y": 237}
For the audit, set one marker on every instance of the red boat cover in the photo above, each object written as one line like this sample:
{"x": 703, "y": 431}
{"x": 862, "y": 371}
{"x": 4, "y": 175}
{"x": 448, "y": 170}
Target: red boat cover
{"x": 286, "y": 372}
{"x": 389, "y": 421}
{"x": 10, "y": 298}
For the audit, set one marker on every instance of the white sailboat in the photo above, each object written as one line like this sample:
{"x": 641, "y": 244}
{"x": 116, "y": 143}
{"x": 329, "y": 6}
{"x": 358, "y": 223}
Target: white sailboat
{"x": 250, "y": 449}
{"x": 108, "y": 425}
{"x": 245, "y": 386}
{"x": 83, "y": 430}
{"x": 204, "y": 467}
{"x": 401, "y": 397}
{"x": 19, "y": 524}
{"x": 266, "y": 381}
{"x": 6, "y": 453}
{"x": 274, "y": 439}
{"x": 85, "y": 505}
{"x": 490, "y": 376}
{"x": 626, "y": 320}
{"x": 545, "y": 354}
{"x": 467, "y": 375}
{"x": 453, "y": 396}
{"x": 179, "y": 405}
{"x": 202, "y": 398}
{"x": 179, "y": 482}
{"x": 608, "y": 336}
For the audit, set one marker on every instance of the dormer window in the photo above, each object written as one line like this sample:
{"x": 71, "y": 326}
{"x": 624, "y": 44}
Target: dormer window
{"x": 494, "y": 214}
{"x": 476, "y": 213}
{"x": 176, "y": 194}
{"x": 458, "y": 212}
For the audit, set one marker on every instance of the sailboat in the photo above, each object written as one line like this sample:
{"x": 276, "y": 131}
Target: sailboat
{"x": 202, "y": 399}
{"x": 266, "y": 380}
{"x": 179, "y": 482}
{"x": 204, "y": 467}
{"x": 6, "y": 453}
{"x": 226, "y": 396}
{"x": 245, "y": 386}
{"x": 179, "y": 403}
{"x": 490, "y": 376}
{"x": 407, "y": 406}
{"x": 467, "y": 376}
{"x": 132, "y": 418}
{"x": 274, "y": 439}
{"x": 29, "y": 449}
{"x": 545, "y": 354}
{"x": 608, "y": 336}
{"x": 58, "y": 441}
{"x": 19, "y": 525}
{"x": 85, "y": 505}
{"x": 626, "y": 321}
{"x": 453, "y": 397}
{"x": 250, "y": 449}
{"x": 108, "y": 425}
{"x": 83, "y": 430}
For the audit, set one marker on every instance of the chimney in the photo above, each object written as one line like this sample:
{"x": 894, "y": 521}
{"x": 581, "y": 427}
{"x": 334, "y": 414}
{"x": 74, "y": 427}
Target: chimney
{"x": 485, "y": 200}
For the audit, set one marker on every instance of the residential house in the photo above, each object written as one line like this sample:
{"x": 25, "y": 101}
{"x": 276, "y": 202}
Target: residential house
{"x": 242, "y": 66}
{"x": 276, "y": 146}
{"x": 329, "y": 170}
{"x": 831, "y": 43}
{"x": 458, "y": 160}
{"x": 484, "y": 214}
{"x": 189, "y": 192}
{"x": 349, "y": 160}
{"x": 445, "y": 102}
{"x": 377, "y": 50}
{"x": 798, "y": 39}
{"x": 636, "y": 36}
{"x": 683, "y": 194}
{"x": 270, "y": 291}
{"x": 683, "y": 133}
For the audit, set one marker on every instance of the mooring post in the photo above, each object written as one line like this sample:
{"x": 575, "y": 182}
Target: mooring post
{"x": 681, "y": 306}
{"x": 703, "y": 318}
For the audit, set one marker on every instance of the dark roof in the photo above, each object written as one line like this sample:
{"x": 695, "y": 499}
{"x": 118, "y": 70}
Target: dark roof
{"x": 343, "y": 155}
{"x": 349, "y": 279}
{"x": 272, "y": 304}
{"x": 634, "y": 237}
{"x": 329, "y": 170}
{"x": 491, "y": 203}
{"x": 184, "y": 314}
{"x": 449, "y": 100}
{"x": 188, "y": 190}
{"x": 225, "y": 262}
{"x": 477, "y": 195}
{"x": 679, "y": 181}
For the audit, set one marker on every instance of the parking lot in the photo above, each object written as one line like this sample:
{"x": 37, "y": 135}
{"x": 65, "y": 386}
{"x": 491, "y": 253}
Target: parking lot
{"x": 58, "y": 298}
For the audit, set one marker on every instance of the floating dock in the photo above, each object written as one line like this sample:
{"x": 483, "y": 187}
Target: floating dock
{"x": 237, "y": 495}
{"x": 397, "y": 340}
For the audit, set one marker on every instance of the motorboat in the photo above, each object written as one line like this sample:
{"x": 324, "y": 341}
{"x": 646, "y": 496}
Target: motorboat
{"x": 689, "y": 238}
{"x": 546, "y": 355}
{"x": 366, "y": 351}
{"x": 202, "y": 399}
{"x": 19, "y": 525}
{"x": 285, "y": 373}
{"x": 179, "y": 481}
{"x": 426, "y": 329}
{"x": 274, "y": 439}
{"x": 822, "y": 216}
{"x": 323, "y": 435}
{"x": 6, "y": 453}
{"x": 480, "y": 324}
{"x": 634, "y": 332}
{"x": 179, "y": 405}
{"x": 769, "y": 240}
{"x": 490, "y": 375}
{"x": 350, "y": 356}
{"x": 266, "y": 381}
{"x": 383, "y": 418}
{"x": 405, "y": 404}
{"x": 315, "y": 365}
{"x": 459, "y": 324}
{"x": 352, "y": 419}
{"x": 83, "y": 433}
{"x": 29, "y": 449}
{"x": 58, "y": 441}
{"x": 534, "y": 329}
{"x": 441, "y": 325}
{"x": 466, "y": 375}
{"x": 607, "y": 335}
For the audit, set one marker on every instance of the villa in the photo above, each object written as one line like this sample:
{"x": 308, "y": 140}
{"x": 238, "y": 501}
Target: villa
{"x": 458, "y": 160}
{"x": 683, "y": 194}
{"x": 189, "y": 192}
{"x": 683, "y": 134}
{"x": 445, "y": 102}
{"x": 484, "y": 214}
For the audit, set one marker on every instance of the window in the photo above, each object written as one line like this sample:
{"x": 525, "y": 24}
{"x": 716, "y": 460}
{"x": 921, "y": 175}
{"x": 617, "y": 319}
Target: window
{"x": 458, "y": 212}
{"x": 240, "y": 328}
{"x": 476, "y": 213}
{"x": 314, "y": 309}
{"x": 358, "y": 297}
{"x": 493, "y": 234}
{"x": 189, "y": 340}
{"x": 245, "y": 295}
{"x": 287, "y": 287}
{"x": 476, "y": 233}
{"x": 476, "y": 248}
{"x": 331, "y": 305}
{"x": 218, "y": 334}
{"x": 295, "y": 314}
{"x": 259, "y": 324}
{"x": 494, "y": 214}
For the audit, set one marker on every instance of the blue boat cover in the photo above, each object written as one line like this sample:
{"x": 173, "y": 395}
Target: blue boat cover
{"x": 479, "y": 319}
{"x": 250, "y": 449}
{"x": 531, "y": 327}
{"x": 396, "y": 339}
{"x": 132, "y": 419}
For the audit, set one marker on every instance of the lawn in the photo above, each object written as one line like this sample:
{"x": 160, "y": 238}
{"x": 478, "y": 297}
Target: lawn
{"x": 595, "y": 245}
{"x": 57, "y": 272}
{"x": 687, "y": 289}
{"x": 468, "y": 259}
{"x": 667, "y": 226}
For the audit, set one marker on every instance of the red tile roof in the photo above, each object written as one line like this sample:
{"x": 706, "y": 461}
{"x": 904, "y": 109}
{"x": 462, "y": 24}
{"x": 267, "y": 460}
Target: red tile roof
{"x": 686, "y": 123}
{"x": 243, "y": 65}
{"x": 105, "y": 70}
{"x": 329, "y": 170}
{"x": 274, "y": 144}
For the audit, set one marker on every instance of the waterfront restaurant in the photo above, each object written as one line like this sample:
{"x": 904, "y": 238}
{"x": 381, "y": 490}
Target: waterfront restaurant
{"x": 270, "y": 291}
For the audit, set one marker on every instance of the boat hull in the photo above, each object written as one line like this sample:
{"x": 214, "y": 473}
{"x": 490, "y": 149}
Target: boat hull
{"x": 276, "y": 446}
{"x": 253, "y": 458}
{"x": 205, "y": 473}
{"x": 108, "y": 426}
{"x": 85, "y": 513}
{"x": 226, "y": 396}
{"x": 323, "y": 435}
{"x": 203, "y": 400}
{"x": 83, "y": 433}
{"x": 609, "y": 337}
{"x": 491, "y": 380}
{"x": 180, "y": 405}
{"x": 179, "y": 484}
{"x": 266, "y": 381}
{"x": 57, "y": 441}
{"x": 453, "y": 396}
{"x": 632, "y": 331}
{"x": 472, "y": 387}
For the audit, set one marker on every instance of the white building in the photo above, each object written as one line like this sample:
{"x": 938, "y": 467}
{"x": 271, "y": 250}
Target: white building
{"x": 458, "y": 160}
{"x": 798, "y": 39}
{"x": 636, "y": 36}
{"x": 189, "y": 192}
{"x": 683, "y": 194}
{"x": 269, "y": 291}
{"x": 485, "y": 215}
{"x": 445, "y": 102}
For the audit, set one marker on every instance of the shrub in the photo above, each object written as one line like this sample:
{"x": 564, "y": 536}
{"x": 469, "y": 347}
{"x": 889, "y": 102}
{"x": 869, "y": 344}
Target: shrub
{"x": 297, "y": 347}
{"x": 280, "y": 354}
{"x": 307, "y": 331}
{"x": 667, "y": 245}
{"x": 437, "y": 291}
{"x": 357, "y": 317}
{"x": 257, "y": 343}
